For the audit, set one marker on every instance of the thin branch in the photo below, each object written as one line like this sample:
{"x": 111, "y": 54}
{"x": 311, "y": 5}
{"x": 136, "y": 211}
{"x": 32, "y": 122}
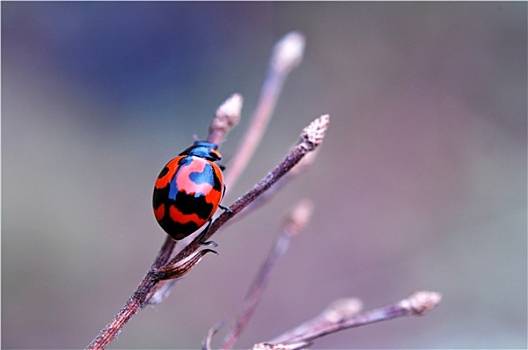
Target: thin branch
{"x": 295, "y": 223}
{"x": 287, "y": 54}
{"x": 295, "y": 172}
{"x": 133, "y": 305}
{"x": 334, "y": 320}
{"x": 337, "y": 311}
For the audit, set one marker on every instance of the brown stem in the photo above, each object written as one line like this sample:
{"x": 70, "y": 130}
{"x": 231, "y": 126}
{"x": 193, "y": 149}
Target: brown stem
{"x": 301, "y": 167}
{"x": 133, "y": 305}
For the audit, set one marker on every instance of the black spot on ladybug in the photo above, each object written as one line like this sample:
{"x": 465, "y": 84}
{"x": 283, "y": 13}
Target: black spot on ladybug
{"x": 177, "y": 230}
{"x": 193, "y": 204}
{"x": 163, "y": 172}
{"x": 218, "y": 185}
{"x": 160, "y": 196}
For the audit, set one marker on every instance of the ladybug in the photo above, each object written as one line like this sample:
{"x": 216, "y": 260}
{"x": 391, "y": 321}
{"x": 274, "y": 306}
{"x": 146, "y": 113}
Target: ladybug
{"x": 189, "y": 190}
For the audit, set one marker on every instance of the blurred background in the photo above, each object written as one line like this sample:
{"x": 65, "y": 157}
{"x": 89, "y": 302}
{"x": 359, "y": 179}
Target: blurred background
{"x": 419, "y": 185}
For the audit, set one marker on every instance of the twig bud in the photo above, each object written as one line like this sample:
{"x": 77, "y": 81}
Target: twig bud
{"x": 420, "y": 303}
{"x": 313, "y": 134}
{"x": 226, "y": 116}
{"x": 288, "y": 52}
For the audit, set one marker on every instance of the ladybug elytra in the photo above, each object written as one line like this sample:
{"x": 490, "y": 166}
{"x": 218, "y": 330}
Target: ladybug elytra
{"x": 188, "y": 190}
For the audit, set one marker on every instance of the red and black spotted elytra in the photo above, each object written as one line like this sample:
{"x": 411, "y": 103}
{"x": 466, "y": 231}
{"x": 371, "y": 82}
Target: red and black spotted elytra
{"x": 188, "y": 190}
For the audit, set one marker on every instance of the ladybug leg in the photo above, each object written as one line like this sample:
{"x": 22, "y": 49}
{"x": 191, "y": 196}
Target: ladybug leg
{"x": 222, "y": 207}
{"x": 225, "y": 208}
{"x": 202, "y": 236}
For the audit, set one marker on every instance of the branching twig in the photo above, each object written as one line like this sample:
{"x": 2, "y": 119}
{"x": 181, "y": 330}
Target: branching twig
{"x": 164, "y": 271}
{"x": 295, "y": 223}
{"x": 335, "y": 319}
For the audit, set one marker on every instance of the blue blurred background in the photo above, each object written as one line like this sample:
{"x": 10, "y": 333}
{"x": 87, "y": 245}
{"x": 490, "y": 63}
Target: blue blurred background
{"x": 420, "y": 184}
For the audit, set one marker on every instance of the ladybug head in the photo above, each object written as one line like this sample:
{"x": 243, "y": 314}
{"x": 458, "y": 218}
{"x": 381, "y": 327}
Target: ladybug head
{"x": 203, "y": 149}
